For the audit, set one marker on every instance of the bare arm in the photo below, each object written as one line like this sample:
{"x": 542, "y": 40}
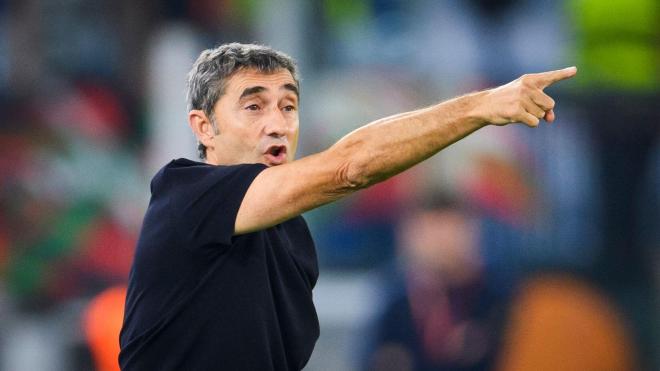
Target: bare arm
{"x": 389, "y": 146}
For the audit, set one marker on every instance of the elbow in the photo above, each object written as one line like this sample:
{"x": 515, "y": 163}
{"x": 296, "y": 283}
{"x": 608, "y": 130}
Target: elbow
{"x": 353, "y": 169}
{"x": 351, "y": 176}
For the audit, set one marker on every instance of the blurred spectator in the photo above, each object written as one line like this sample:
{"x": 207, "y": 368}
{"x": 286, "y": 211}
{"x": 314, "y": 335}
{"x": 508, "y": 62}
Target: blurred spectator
{"x": 440, "y": 313}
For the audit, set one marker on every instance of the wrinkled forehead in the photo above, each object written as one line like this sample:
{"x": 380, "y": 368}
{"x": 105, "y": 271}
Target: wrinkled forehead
{"x": 253, "y": 81}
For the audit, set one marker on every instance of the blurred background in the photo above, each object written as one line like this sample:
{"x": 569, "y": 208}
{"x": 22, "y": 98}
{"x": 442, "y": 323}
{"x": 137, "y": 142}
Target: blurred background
{"x": 514, "y": 249}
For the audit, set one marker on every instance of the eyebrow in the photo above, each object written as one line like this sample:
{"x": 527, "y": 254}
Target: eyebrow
{"x": 292, "y": 88}
{"x": 258, "y": 89}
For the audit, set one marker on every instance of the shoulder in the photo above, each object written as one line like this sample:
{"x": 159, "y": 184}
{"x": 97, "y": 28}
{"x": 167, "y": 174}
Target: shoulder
{"x": 183, "y": 172}
{"x": 202, "y": 199}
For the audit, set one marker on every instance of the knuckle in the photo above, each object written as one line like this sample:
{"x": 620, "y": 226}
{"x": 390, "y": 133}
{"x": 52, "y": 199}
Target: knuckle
{"x": 526, "y": 80}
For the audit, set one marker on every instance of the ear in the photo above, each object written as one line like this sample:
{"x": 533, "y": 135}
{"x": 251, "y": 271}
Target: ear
{"x": 201, "y": 127}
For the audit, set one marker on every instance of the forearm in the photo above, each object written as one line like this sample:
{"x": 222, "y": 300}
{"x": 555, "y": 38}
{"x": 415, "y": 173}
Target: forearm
{"x": 393, "y": 144}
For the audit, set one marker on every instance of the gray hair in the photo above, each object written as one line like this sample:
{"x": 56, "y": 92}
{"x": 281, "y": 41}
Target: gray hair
{"x": 208, "y": 77}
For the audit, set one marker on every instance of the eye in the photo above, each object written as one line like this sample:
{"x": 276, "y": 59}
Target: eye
{"x": 252, "y": 107}
{"x": 289, "y": 108}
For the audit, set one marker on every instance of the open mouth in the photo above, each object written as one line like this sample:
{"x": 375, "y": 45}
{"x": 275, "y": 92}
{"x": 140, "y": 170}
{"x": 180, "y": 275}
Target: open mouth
{"x": 276, "y": 155}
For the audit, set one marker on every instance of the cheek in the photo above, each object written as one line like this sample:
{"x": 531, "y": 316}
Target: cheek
{"x": 236, "y": 137}
{"x": 245, "y": 128}
{"x": 294, "y": 137}
{"x": 295, "y": 130}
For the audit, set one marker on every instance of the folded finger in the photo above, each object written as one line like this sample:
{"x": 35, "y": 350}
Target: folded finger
{"x": 543, "y": 100}
{"x": 529, "y": 119}
{"x": 533, "y": 108}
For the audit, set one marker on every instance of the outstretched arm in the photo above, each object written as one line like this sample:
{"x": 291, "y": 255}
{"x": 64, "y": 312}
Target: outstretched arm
{"x": 389, "y": 146}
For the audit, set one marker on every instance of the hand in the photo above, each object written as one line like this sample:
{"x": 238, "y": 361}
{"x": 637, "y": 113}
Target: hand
{"x": 523, "y": 99}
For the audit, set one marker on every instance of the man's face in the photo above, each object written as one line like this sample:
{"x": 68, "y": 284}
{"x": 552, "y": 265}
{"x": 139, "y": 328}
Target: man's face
{"x": 443, "y": 242}
{"x": 257, "y": 119}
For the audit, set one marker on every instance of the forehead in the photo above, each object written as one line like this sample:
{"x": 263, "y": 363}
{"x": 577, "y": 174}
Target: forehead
{"x": 246, "y": 78}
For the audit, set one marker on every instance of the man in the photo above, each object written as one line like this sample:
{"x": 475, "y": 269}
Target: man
{"x": 225, "y": 266}
{"x": 439, "y": 312}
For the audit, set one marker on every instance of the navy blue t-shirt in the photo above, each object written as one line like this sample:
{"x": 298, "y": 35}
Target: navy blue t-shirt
{"x": 200, "y": 298}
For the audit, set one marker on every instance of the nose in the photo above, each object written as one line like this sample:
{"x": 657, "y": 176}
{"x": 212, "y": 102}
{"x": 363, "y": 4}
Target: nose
{"x": 276, "y": 124}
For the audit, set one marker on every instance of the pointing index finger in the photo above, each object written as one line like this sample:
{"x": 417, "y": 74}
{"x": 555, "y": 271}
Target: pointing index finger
{"x": 545, "y": 79}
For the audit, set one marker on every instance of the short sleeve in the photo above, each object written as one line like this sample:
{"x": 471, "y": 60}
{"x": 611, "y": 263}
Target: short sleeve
{"x": 205, "y": 199}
